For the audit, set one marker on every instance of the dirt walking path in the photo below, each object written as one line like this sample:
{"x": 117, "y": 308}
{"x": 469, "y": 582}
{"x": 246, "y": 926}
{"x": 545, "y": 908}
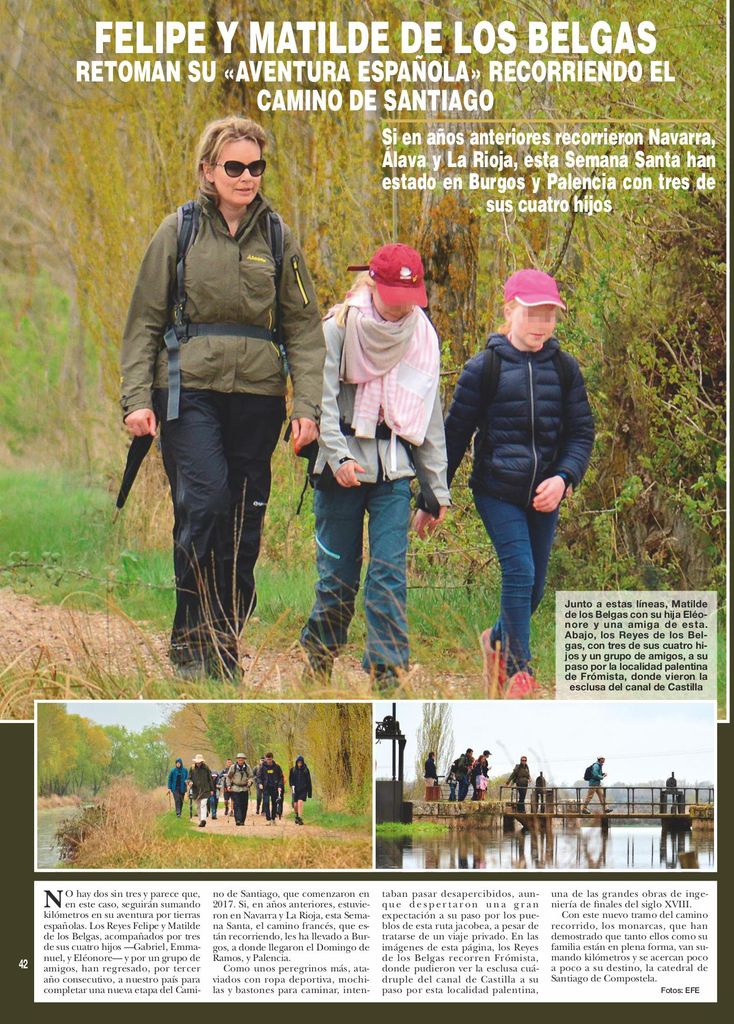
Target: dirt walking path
{"x": 39, "y": 636}
{"x": 56, "y": 651}
{"x": 256, "y": 826}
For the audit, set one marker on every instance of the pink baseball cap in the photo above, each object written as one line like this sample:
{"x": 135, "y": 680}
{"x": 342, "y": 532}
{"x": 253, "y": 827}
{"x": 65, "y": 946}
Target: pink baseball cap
{"x": 397, "y": 271}
{"x": 533, "y": 288}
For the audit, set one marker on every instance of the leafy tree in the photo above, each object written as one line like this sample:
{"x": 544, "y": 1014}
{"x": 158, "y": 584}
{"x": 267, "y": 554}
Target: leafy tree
{"x": 435, "y": 734}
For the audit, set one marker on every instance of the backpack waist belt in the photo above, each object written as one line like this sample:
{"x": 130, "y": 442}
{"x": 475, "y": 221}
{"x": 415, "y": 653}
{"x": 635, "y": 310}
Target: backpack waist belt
{"x": 175, "y": 336}
{"x": 382, "y": 432}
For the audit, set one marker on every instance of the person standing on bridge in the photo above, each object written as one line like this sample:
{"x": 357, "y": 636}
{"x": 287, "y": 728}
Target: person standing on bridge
{"x": 540, "y": 794}
{"x": 597, "y": 774}
{"x": 520, "y": 777}
{"x": 462, "y": 768}
{"x": 452, "y": 782}
{"x": 673, "y": 796}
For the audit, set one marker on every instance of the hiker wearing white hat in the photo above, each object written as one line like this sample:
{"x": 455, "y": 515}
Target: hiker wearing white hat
{"x": 239, "y": 780}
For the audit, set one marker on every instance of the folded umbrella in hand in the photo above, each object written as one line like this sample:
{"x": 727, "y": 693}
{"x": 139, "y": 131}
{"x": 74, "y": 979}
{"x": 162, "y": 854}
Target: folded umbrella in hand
{"x": 139, "y": 448}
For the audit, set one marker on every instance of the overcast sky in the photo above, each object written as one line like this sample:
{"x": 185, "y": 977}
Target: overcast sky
{"x": 135, "y": 715}
{"x": 640, "y": 741}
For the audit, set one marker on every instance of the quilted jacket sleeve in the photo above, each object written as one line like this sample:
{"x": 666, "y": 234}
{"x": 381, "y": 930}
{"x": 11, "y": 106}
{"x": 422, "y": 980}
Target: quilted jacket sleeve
{"x": 578, "y": 430}
{"x": 464, "y": 414}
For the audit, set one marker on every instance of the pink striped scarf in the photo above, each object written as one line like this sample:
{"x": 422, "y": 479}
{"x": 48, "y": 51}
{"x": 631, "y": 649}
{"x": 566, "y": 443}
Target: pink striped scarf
{"x": 402, "y": 395}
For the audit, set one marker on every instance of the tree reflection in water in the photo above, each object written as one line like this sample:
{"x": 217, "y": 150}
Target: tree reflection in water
{"x": 563, "y": 847}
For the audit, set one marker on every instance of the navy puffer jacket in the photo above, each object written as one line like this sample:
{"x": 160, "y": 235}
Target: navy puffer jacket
{"x": 530, "y": 432}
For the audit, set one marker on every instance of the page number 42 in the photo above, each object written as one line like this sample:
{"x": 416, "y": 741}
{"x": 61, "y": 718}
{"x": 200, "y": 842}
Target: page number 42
{"x": 23, "y": 964}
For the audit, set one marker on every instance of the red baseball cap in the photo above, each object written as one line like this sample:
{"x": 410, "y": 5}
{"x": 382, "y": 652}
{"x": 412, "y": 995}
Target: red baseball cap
{"x": 397, "y": 271}
{"x": 533, "y": 288}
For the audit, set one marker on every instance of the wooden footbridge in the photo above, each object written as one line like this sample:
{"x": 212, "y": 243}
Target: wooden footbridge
{"x": 538, "y": 808}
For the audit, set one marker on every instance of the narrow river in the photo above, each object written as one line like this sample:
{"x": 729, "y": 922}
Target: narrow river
{"x": 623, "y": 847}
{"x": 49, "y": 819}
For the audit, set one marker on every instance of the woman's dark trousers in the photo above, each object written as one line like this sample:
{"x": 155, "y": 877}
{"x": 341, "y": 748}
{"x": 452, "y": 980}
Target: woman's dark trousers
{"x": 217, "y": 459}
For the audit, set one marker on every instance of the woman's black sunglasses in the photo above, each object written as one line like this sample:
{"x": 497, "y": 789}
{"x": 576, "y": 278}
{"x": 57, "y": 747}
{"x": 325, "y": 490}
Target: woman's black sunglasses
{"x": 235, "y": 168}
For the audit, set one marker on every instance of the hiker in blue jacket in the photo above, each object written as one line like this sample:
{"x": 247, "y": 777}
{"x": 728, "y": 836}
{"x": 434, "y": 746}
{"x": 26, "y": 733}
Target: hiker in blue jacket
{"x": 177, "y": 784}
{"x": 526, "y": 402}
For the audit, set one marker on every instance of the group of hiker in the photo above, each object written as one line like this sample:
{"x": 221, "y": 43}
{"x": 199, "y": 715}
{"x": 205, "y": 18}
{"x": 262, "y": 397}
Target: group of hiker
{"x": 231, "y": 786}
{"x": 224, "y": 311}
{"x": 470, "y": 771}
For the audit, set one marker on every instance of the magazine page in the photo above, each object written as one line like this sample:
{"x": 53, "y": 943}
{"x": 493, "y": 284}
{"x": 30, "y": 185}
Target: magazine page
{"x": 363, "y": 503}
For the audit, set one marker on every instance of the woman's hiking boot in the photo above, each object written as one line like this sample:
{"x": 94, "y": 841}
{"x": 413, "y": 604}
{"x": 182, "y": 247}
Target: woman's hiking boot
{"x": 202, "y": 823}
{"x": 223, "y": 661}
{"x": 188, "y": 661}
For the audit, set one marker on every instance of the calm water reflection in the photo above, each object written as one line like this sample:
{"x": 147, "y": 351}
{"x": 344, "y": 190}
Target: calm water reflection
{"x": 625, "y": 846}
{"x": 49, "y": 820}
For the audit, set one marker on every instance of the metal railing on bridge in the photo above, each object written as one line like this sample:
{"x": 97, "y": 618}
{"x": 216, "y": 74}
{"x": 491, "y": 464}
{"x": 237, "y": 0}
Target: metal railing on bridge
{"x": 622, "y": 801}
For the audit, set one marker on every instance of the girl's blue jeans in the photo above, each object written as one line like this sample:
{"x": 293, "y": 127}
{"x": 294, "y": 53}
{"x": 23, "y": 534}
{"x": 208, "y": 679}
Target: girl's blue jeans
{"x": 522, "y": 539}
{"x": 340, "y": 516}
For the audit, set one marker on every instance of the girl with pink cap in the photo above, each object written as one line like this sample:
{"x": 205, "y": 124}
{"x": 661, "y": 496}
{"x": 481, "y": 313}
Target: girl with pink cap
{"x": 525, "y": 403}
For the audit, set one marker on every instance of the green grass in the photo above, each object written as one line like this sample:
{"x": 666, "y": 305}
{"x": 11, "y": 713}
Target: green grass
{"x": 418, "y": 828}
{"x": 59, "y": 542}
{"x": 314, "y": 814}
{"x": 171, "y": 827}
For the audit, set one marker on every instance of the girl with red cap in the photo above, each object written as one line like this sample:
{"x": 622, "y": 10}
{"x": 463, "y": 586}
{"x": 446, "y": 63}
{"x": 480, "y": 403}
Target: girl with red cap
{"x": 526, "y": 402}
{"x": 381, "y": 425}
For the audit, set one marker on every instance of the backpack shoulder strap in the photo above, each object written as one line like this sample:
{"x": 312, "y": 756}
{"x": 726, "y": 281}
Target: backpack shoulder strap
{"x": 490, "y": 377}
{"x": 274, "y": 231}
{"x": 565, "y": 368}
{"x": 275, "y": 236}
{"x": 187, "y": 221}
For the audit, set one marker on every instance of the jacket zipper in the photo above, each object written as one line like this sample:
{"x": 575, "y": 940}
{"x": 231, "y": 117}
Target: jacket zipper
{"x": 532, "y": 432}
{"x": 299, "y": 282}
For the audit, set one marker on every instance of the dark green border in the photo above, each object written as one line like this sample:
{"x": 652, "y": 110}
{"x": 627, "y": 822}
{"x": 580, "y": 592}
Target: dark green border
{"x": 16, "y": 744}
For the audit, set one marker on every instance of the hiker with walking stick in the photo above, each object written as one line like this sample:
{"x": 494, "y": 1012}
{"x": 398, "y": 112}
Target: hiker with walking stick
{"x": 201, "y": 786}
{"x": 177, "y": 780}
{"x": 300, "y": 782}
{"x": 222, "y": 298}
{"x": 239, "y": 781}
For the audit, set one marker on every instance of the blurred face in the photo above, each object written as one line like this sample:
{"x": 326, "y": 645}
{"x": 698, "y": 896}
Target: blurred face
{"x": 235, "y": 193}
{"x": 387, "y": 312}
{"x": 531, "y": 326}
